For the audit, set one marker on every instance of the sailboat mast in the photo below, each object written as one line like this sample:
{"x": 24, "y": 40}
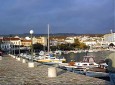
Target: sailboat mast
{"x": 48, "y": 39}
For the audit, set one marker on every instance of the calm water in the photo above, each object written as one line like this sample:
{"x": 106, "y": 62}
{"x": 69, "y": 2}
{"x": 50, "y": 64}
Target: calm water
{"x": 79, "y": 56}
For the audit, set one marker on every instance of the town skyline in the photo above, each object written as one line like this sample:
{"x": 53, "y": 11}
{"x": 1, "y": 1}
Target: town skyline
{"x": 63, "y": 16}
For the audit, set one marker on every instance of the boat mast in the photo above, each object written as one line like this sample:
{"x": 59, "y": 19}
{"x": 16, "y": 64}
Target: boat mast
{"x": 48, "y": 39}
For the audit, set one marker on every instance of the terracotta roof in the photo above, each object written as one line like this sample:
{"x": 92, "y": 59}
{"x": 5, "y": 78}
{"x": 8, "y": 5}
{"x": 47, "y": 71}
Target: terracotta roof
{"x": 10, "y": 38}
{"x": 25, "y": 40}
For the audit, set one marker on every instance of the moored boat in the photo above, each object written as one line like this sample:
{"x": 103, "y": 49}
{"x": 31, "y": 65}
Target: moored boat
{"x": 50, "y": 59}
{"x": 81, "y": 67}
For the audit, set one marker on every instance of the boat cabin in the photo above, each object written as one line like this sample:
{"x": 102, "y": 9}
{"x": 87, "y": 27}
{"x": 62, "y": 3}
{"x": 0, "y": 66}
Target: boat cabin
{"x": 89, "y": 59}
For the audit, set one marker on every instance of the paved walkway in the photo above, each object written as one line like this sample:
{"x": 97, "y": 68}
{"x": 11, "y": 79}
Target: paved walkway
{"x": 13, "y": 72}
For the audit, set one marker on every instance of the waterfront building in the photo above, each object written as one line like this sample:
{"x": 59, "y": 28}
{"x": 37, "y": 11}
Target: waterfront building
{"x": 9, "y": 43}
{"x": 57, "y": 41}
{"x": 41, "y": 40}
{"x": 69, "y": 40}
{"x": 26, "y": 43}
{"x": 90, "y": 43}
{"x": 109, "y": 38}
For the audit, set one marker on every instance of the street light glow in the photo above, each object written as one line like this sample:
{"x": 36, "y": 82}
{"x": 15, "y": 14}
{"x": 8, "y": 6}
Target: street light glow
{"x": 31, "y": 31}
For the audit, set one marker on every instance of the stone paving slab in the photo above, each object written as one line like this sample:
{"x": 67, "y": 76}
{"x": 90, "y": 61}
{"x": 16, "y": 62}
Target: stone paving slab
{"x": 13, "y": 72}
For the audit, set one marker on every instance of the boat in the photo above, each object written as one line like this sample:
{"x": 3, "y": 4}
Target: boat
{"x": 96, "y": 74}
{"x": 48, "y": 57}
{"x": 51, "y": 59}
{"x": 100, "y": 71}
{"x": 80, "y": 67}
{"x": 88, "y": 62}
{"x": 57, "y": 52}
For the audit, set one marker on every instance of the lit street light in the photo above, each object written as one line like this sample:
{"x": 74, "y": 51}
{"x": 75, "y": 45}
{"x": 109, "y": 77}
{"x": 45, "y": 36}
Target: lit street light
{"x": 31, "y": 64}
{"x": 31, "y": 32}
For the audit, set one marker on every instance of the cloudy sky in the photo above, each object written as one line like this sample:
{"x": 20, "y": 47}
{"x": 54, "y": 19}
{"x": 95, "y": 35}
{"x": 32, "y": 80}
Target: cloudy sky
{"x": 63, "y": 16}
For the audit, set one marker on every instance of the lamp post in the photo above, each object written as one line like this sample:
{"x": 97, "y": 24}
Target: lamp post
{"x": 14, "y": 49}
{"x": 31, "y": 32}
{"x": 19, "y": 48}
{"x": 31, "y": 64}
{"x": 19, "y": 52}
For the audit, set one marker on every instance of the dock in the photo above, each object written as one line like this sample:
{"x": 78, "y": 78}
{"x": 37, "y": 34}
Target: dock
{"x": 13, "y": 72}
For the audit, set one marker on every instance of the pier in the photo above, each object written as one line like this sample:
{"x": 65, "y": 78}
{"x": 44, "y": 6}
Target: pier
{"x": 14, "y": 72}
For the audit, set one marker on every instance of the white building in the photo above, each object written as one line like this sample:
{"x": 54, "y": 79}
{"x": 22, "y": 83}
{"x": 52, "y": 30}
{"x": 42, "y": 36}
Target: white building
{"x": 69, "y": 40}
{"x": 90, "y": 43}
{"x": 8, "y": 43}
{"x": 109, "y": 38}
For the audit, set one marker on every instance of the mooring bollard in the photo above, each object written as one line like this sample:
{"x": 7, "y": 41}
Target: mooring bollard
{"x": 18, "y": 59}
{"x": 52, "y": 72}
{"x": 23, "y": 61}
{"x": 13, "y": 56}
{"x": 31, "y": 64}
{"x": 0, "y": 57}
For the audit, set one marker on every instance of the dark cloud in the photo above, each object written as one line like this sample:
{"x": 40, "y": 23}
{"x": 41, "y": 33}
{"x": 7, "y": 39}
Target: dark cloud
{"x": 75, "y": 16}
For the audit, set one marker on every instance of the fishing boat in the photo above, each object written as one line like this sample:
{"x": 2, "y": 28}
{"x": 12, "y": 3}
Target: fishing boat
{"x": 88, "y": 62}
{"x": 81, "y": 67}
{"x": 100, "y": 71}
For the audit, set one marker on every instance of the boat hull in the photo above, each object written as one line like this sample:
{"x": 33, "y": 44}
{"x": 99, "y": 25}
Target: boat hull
{"x": 96, "y": 74}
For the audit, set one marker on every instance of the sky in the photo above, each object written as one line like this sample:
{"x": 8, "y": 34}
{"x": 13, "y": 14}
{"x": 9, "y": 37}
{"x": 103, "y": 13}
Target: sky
{"x": 63, "y": 16}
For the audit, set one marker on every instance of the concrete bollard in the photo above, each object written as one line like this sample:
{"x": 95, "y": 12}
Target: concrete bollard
{"x": 18, "y": 59}
{"x": 23, "y": 61}
{"x": 0, "y": 57}
{"x": 31, "y": 64}
{"x": 13, "y": 56}
{"x": 52, "y": 72}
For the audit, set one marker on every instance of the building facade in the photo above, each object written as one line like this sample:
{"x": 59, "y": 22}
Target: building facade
{"x": 109, "y": 38}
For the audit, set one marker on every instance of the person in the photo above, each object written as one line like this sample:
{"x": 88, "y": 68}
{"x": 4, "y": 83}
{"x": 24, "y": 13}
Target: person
{"x": 110, "y": 61}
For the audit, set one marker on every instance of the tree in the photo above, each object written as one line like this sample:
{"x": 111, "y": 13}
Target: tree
{"x": 38, "y": 46}
{"x": 53, "y": 48}
{"x": 64, "y": 47}
{"x": 83, "y": 46}
{"x": 77, "y": 43}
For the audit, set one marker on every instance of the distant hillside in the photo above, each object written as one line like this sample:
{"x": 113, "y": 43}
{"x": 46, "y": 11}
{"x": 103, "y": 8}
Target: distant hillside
{"x": 55, "y": 34}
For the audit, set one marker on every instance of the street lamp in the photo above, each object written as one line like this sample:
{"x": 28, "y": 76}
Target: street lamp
{"x": 31, "y": 64}
{"x": 31, "y": 32}
{"x": 19, "y": 48}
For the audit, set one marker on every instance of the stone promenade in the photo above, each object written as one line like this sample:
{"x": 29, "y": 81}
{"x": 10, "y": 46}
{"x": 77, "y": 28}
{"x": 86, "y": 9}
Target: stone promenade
{"x": 13, "y": 72}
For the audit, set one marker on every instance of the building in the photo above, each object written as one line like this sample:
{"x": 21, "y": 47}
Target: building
{"x": 109, "y": 38}
{"x": 69, "y": 40}
{"x": 9, "y": 43}
{"x": 42, "y": 40}
{"x": 26, "y": 43}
